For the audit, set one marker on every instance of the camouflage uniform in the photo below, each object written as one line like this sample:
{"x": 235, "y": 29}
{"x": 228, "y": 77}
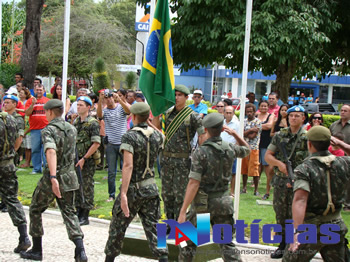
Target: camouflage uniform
{"x": 88, "y": 133}
{"x": 175, "y": 169}
{"x": 60, "y": 136}
{"x": 20, "y": 126}
{"x": 8, "y": 178}
{"x": 311, "y": 176}
{"x": 212, "y": 166}
{"x": 283, "y": 196}
{"x": 143, "y": 197}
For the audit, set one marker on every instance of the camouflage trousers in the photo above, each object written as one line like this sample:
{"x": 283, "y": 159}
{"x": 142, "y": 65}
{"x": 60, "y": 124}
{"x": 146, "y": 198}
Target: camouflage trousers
{"x": 148, "y": 210}
{"x": 282, "y": 202}
{"x": 8, "y": 192}
{"x": 329, "y": 252}
{"x": 174, "y": 182}
{"x": 42, "y": 198}
{"x": 229, "y": 252}
{"x": 88, "y": 173}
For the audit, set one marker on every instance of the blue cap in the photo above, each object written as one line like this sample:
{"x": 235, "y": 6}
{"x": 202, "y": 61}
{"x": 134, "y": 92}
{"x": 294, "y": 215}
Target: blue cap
{"x": 296, "y": 109}
{"x": 85, "y": 99}
{"x": 12, "y": 97}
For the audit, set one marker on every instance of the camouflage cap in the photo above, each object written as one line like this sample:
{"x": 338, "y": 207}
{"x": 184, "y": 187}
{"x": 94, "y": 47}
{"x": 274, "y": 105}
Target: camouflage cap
{"x": 296, "y": 109}
{"x": 213, "y": 120}
{"x": 12, "y": 97}
{"x": 318, "y": 133}
{"x": 85, "y": 99}
{"x": 182, "y": 89}
{"x": 53, "y": 103}
{"x": 140, "y": 108}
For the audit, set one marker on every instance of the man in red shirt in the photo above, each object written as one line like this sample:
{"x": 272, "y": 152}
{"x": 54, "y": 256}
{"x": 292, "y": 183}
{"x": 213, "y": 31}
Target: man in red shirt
{"x": 273, "y": 107}
{"x": 229, "y": 94}
{"x": 37, "y": 121}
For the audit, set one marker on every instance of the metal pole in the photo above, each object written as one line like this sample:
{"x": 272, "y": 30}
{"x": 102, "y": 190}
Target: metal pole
{"x": 65, "y": 54}
{"x": 243, "y": 91}
{"x": 12, "y": 28}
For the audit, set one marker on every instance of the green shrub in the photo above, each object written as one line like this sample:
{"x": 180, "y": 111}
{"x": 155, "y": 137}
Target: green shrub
{"x": 7, "y": 74}
{"x": 329, "y": 119}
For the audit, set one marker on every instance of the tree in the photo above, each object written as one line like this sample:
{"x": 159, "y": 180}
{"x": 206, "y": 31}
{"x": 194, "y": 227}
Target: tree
{"x": 12, "y": 32}
{"x": 288, "y": 38}
{"x": 100, "y": 75}
{"x": 130, "y": 80}
{"x": 31, "y": 40}
{"x": 92, "y": 35}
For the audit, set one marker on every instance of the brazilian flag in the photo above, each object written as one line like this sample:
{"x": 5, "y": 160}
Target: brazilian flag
{"x": 157, "y": 75}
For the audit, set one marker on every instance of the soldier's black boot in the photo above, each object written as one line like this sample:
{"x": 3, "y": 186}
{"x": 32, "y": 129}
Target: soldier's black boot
{"x": 109, "y": 259}
{"x": 36, "y": 252}
{"x": 80, "y": 255}
{"x": 24, "y": 242}
{"x": 279, "y": 252}
{"x": 3, "y": 207}
{"x": 168, "y": 228}
{"x": 84, "y": 218}
{"x": 163, "y": 259}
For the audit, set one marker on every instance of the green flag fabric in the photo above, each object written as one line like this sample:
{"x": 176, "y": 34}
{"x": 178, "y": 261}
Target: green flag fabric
{"x": 157, "y": 75}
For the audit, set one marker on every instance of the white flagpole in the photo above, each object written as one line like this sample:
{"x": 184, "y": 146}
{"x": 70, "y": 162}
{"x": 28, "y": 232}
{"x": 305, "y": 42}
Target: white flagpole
{"x": 243, "y": 92}
{"x": 65, "y": 54}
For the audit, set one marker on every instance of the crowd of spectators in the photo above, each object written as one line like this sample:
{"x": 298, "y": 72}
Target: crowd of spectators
{"x": 263, "y": 120}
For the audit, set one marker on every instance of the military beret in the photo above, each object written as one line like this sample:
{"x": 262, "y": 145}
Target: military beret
{"x": 140, "y": 108}
{"x": 53, "y": 103}
{"x": 318, "y": 133}
{"x": 296, "y": 109}
{"x": 12, "y": 97}
{"x": 182, "y": 89}
{"x": 213, "y": 120}
{"x": 85, "y": 99}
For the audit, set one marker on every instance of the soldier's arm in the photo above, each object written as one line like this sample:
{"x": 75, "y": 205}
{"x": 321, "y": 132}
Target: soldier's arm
{"x": 344, "y": 146}
{"x": 51, "y": 158}
{"x": 99, "y": 105}
{"x": 126, "y": 176}
{"x": 95, "y": 139}
{"x": 20, "y": 125}
{"x": 191, "y": 191}
{"x": 18, "y": 142}
{"x": 273, "y": 161}
{"x": 298, "y": 211}
{"x": 156, "y": 122}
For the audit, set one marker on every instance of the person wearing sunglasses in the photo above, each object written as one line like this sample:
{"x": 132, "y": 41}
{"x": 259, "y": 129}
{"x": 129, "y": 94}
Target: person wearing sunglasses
{"x": 220, "y": 106}
{"x": 197, "y": 106}
{"x": 316, "y": 119}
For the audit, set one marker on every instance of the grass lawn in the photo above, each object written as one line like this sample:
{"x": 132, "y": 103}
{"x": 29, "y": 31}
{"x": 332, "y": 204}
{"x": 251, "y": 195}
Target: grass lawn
{"x": 248, "y": 208}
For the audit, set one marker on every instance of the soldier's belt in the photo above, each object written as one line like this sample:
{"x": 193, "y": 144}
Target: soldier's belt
{"x": 218, "y": 194}
{"x": 6, "y": 162}
{"x": 176, "y": 155}
{"x": 320, "y": 219}
{"x": 144, "y": 183}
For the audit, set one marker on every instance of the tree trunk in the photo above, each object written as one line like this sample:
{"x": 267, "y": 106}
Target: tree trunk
{"x": 285, "y": 73}
{"x": 31, "y": 40}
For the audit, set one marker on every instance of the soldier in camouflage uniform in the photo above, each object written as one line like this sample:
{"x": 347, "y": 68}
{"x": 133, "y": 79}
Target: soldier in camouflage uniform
{"x": 181, "y": 125}
{"x": 319, "y": 192}
{"x": 59, "y": 181}
{"x": 9, "y": 136}
{"x": 138, "y": 193}
{"x": 10, "y": 104}
{"x": 293, "y": 139}
{"x": 88, "y": 142}
{"x": 208, "y": 187}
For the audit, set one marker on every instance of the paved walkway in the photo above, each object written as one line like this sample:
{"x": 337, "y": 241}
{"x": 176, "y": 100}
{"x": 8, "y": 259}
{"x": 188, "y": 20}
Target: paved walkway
{"x": 57, "y": 247}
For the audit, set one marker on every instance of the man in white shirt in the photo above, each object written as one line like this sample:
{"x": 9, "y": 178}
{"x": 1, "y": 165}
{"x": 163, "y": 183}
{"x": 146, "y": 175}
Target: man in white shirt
{"x": 230, "y": 123}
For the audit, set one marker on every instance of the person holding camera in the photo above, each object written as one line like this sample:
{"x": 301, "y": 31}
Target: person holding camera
{"x": 114, "y": 115}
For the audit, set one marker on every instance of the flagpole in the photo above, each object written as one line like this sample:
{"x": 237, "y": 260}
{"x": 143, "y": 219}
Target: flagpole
{"x": 65, "y": 53}
{"x": 243, "y": 92}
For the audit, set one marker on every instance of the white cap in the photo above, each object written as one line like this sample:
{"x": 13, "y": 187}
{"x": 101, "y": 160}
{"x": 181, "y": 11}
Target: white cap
{"x": 198, "y": 92}
{"x": 12, "y": 91}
